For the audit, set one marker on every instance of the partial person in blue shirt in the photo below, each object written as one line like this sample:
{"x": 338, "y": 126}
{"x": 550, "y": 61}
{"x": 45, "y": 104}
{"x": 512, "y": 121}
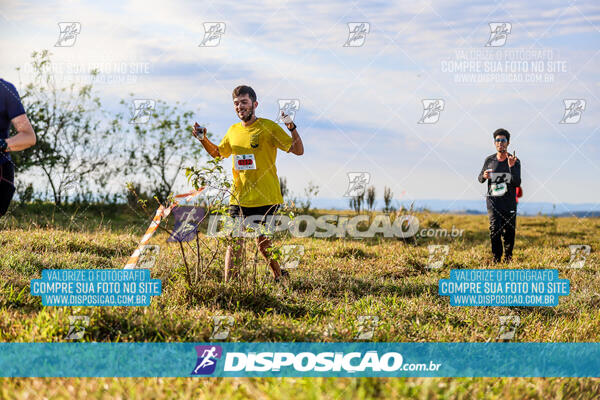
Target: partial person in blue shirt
{"x": 11, "y": 111}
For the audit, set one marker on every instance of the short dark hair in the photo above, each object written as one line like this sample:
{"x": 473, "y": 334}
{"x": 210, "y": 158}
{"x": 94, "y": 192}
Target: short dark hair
{"x": 501, "y": 132}
{"x": 243, "y": 89}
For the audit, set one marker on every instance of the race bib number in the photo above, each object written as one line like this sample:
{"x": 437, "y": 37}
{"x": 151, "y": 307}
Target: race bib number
{"x": 244, "y": 161}
{"x": 498, "y": 189}
{"x": 499, "y": 183}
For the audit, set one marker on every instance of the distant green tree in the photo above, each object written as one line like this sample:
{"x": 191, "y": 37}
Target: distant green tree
{"x": 310, "y": 192}
{"x": 356, "y": 202}
{"x": 162, "y": 147}
{"x": 387, "y": 199}
{"x": 284, "y": 187}
{"x": 75, "y": 138}
{"x": 371, "y": 197}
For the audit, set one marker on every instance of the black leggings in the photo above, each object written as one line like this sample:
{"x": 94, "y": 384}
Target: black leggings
{"x": 502, "y": 226}
{"x": 7, "y": 186}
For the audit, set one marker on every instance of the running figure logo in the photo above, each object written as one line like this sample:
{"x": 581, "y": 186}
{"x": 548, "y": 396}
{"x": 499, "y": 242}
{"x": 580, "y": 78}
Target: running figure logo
{"x": 579, "y": 253}
{"x": 357, "y": 33}
{"x": 437, "y": 255}
{"x": 289, "y": 108}
{"x": 187, "y": 220}
{"x": 212, "y": 34}
{"x": 432, "y": 109}
{"x": 499, "y": 32}
{"x": 142, "y": 110}
{"x": 573, "y": 110}
{"x": 508, "y": 327}
{"x": 207, "y": 359}
{"x": 68, "y": 34}
{"x": 357, "y": 183}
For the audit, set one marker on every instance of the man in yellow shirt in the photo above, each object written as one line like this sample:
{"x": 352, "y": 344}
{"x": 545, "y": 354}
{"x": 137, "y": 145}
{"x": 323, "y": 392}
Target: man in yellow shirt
{"x": 253, "y": 143}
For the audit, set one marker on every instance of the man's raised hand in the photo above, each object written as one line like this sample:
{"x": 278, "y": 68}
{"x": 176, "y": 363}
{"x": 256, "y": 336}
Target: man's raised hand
{"x": 512, "y": 159}
{"x": 199, "y": 132}
{"x": 287, "y": 120}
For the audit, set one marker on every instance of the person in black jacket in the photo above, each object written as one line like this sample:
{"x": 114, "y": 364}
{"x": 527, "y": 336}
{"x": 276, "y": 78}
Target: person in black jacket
{"x": 502, "y": 171}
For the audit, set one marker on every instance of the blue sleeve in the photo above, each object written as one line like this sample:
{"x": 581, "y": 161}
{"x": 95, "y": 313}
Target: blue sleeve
{"x": 14, "y": 107}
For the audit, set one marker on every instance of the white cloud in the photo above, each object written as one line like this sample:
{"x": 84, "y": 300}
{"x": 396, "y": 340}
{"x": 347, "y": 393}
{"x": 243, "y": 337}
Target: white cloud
{"x": 294, "y": 50}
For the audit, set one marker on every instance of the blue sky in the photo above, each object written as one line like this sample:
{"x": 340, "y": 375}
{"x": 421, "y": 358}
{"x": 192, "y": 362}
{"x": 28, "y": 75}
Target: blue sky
{"x": 359, "y": 106}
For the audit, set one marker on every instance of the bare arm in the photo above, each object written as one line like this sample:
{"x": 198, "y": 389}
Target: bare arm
{"x": 25, "y": 136}
{"x": 200, "y": 134}
{"x": 297, "y": 147}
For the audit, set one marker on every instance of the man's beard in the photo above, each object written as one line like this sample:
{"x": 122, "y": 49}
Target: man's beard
{"x": 247, "y": 117}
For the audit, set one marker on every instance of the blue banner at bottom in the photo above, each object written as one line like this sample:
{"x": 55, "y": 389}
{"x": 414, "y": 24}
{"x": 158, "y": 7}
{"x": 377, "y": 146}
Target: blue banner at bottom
{"x": 299, "y": 359}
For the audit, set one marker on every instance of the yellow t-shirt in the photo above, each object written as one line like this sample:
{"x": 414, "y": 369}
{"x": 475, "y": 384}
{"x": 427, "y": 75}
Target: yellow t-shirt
{"x": 258, "y": 142}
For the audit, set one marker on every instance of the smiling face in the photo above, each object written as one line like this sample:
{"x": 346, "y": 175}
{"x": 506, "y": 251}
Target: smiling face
{"x": 244, "y": 107}
{"x": 501, "y": 143}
